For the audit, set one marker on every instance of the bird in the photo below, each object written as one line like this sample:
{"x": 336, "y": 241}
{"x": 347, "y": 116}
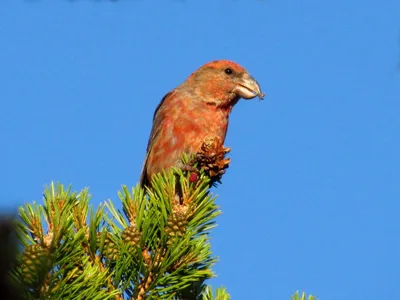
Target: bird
{"x": 197, "y": 109}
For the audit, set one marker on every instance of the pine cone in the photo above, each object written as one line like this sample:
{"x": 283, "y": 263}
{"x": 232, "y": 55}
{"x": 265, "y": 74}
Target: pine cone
{"x": 131, "y": 237}
{"x": 176, "y": 225}
{"x": 212, "y": 159}
{"x": 35, "y": 263}
{"x": 110, "y": 249}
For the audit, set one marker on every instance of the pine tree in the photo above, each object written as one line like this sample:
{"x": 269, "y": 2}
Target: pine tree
{"x": 155, "y": 247}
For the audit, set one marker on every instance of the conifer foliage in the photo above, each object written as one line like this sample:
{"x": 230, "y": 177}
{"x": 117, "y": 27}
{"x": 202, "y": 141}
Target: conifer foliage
{"x": 156, "y": 246}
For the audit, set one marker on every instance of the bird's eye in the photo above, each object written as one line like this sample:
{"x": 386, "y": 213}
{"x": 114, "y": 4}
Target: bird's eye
{"x": 228, "y": 71}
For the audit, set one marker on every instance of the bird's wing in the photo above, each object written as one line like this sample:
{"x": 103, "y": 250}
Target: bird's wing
{"x": 155, "y": 131}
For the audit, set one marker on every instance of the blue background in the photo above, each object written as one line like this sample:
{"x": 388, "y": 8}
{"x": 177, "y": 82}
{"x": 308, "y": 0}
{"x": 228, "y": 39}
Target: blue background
{"x": 311, "y": 200}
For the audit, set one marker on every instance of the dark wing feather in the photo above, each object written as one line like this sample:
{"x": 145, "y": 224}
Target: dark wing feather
{"x": 154, "y": 132}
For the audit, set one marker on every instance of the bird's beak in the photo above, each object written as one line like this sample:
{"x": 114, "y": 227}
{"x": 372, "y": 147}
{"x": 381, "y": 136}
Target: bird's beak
{"x": 248, "y": 87}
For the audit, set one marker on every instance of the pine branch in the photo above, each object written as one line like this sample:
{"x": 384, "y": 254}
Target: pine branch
{"x": 297, "y": 296}
{"x": 164, "y": 241}
{"x": 155, "y": 247}
{"x": 221, "y": 294}
{"x": 58, "y": 261}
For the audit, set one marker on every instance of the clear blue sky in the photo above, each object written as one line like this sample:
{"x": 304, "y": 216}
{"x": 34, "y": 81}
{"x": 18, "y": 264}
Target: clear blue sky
{"x": 312, "y": 198}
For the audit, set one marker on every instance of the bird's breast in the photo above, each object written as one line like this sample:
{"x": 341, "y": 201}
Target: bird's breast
{"x": 198, "y": 124}
{"x": 183, "y": 127}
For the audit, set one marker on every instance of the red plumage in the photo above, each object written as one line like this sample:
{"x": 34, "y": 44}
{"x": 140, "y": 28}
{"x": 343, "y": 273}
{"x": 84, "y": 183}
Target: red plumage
{"x": 197, "y": 109}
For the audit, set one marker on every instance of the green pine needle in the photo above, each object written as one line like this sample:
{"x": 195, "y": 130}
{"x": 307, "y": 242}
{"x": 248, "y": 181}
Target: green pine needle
{"x": 297, "y": 296}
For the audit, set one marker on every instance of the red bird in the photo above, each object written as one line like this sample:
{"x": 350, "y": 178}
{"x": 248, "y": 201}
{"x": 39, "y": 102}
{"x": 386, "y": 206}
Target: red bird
{"x": 197, "y": 109}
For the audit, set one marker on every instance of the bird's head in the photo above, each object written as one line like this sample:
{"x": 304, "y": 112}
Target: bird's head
{"x": 222, "y": 83}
